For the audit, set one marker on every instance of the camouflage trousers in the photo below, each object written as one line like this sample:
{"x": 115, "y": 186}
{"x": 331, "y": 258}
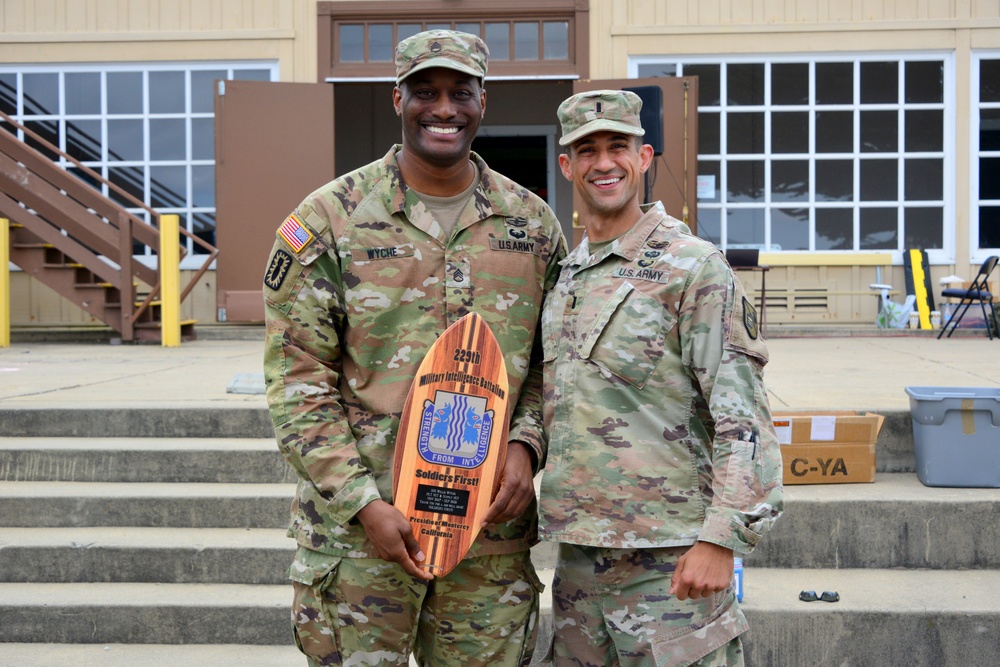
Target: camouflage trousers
{"x": 612, "y": 607}
{"x": 366, "y": 611}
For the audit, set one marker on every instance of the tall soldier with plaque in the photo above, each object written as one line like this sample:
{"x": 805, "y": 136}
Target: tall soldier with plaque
{"x": 365, "y": 276}
{"x": 663, "y": 461}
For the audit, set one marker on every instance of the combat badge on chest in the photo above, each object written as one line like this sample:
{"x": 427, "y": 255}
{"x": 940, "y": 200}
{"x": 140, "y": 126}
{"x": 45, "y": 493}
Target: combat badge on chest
{"x": 517, "y": 237}
{"x": 648, "y": 258}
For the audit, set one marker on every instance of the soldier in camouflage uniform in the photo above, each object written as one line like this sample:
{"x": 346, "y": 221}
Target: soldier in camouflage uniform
{"x": 363, "y": 277}
{"x": 662, "y": 457}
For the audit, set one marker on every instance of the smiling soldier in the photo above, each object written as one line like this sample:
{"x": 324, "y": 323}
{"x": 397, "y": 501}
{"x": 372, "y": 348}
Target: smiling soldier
{"x": 662, "y": 461}
{"x": 364, "y": 276}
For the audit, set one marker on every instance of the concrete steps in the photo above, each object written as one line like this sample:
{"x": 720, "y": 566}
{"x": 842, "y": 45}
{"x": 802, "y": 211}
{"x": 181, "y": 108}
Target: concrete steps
{"x": 137, "y": 613}
{"x": 150, "y": 655}
{"x": 149, "y": 555}
{"x": 123, "y": 545}
{"x": 884, "y": 617}
{"x": 71, "y": 504}
{"x": 897, "y": 522}
{"x": 142, "y": 459}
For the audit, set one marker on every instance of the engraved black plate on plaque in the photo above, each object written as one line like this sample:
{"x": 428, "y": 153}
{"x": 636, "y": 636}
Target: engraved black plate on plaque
{"x": 441, "y": 500}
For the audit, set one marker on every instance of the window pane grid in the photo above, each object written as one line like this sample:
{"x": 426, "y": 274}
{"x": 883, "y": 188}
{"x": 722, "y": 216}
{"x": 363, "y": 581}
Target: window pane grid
{"x": 164, "y": 157}
{"x": 514, "y": 40}
{"x": 985, "y": 168}
{"x": 888, "y": 136}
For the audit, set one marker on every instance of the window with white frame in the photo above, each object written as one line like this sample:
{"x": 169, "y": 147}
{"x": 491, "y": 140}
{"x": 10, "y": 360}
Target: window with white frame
{"x": 822, "y": 153}
{"x": 149, "y": 129}
{"x": 985, "y": 210}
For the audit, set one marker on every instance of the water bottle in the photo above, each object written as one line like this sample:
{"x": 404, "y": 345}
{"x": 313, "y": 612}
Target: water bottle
{"x": 738, "y": 577}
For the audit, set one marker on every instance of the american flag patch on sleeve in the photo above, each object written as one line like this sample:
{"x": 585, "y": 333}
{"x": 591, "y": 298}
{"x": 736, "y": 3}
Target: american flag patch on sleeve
{"x": 295, "y": 233}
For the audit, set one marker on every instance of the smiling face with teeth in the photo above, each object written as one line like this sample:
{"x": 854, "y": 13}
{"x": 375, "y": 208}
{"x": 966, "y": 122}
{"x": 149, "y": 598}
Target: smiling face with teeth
{"x": 441, "y": 111}
{"x": 606, "y": 169}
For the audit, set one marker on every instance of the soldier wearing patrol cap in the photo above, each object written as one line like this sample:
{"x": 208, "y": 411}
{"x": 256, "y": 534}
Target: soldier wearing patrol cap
{"x": 365, "y": 274}
{"x": 662, "y": 461}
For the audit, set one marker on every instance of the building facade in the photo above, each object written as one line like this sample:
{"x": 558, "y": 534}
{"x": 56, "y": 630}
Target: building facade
{"x": 832, "y": 136}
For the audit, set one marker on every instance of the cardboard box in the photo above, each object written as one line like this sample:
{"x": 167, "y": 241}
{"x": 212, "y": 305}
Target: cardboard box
{"x": 832, "y": 447}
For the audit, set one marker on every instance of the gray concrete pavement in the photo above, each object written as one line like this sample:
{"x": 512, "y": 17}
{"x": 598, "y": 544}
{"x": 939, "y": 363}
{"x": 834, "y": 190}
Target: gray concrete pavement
{"x": 871, "y": 373}
{"x": 151, "y": 655}
{"x": 824, "y": 372}
{"x": 98, "y": 375}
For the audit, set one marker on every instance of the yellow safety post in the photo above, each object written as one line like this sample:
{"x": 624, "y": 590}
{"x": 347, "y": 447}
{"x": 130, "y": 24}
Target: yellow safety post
{"x": 170, "y": 280}
{"x": 4, "y": 282}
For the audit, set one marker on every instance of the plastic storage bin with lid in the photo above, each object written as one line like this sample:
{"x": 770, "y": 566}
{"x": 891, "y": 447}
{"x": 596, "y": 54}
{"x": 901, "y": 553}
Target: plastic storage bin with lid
{"x": 956, "y": 435}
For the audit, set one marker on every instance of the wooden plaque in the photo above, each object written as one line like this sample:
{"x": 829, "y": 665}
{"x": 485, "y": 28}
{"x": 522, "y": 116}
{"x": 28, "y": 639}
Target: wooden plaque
{"x": 452, "y": 442}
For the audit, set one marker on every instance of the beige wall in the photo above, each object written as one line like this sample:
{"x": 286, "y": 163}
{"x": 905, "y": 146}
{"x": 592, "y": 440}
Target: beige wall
{"x": 751, "y": 18}
{"x": 68, "y": 31}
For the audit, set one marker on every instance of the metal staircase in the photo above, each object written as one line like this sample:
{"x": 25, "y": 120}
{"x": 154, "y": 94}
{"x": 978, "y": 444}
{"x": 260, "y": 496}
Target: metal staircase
{"x": 82, "y": 244}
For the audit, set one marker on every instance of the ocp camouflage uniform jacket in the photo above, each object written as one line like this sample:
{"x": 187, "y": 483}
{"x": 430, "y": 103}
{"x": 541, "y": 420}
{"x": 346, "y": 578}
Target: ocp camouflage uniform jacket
{"x": 351, "y": 315}
{"x": 653, "y": 386}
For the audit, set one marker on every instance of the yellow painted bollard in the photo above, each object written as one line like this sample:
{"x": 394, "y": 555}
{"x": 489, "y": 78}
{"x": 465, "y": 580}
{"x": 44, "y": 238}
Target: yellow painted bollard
{"x": 170, "y": 280}
{"x": 4, "y": 282}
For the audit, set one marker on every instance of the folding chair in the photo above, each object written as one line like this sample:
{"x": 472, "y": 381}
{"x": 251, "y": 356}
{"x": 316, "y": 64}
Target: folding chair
{"x": 978, "y": 292}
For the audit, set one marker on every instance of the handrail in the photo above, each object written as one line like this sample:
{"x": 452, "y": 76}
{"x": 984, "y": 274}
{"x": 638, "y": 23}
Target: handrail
{"x": 130, "y": 227}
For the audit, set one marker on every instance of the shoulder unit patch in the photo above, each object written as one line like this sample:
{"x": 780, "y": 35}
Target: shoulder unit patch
{"x": 277, "y": 270}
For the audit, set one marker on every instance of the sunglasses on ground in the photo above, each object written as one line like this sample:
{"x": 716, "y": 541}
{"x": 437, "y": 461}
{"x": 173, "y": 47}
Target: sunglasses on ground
{"x": 825, "y": 596}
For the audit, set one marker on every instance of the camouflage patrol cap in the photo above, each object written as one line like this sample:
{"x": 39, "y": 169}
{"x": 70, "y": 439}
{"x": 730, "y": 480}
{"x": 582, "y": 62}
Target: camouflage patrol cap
{"x": 441, "y": 48}
{"x": 597, "y": 110}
